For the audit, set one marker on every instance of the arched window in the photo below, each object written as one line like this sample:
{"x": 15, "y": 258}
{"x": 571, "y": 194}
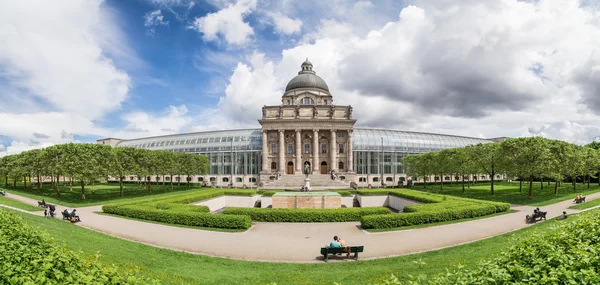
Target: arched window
{"x": 200, "y": 179}
{"x": 225, "y": 179}
{"x": 340, "y": 166}
{"x": 273, "y": 165}
{"x": 307, "y": 101}
{"x": 362, "y": 179}
{"x": 389, "y": 179}
{"x": 238, "y": 179}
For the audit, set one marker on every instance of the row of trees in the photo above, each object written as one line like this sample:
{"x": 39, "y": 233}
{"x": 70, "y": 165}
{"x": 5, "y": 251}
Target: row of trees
{"x": 529, "y": 159}
{"x": 88, "y": 163}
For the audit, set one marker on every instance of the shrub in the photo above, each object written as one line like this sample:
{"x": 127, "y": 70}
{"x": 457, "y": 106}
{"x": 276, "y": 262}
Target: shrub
{"x": 436, "y": 208}
{"x": 29, "y": 255}
{"x": 567, "y": 254}
{"x": 267, "y": 193}
{"x": 306, "y": 215}
{"x": 176, "y": 210}
{"x": 344, "y": 193}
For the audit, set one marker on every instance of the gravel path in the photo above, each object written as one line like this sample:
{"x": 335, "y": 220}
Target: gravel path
{"x": 301, "y": 242}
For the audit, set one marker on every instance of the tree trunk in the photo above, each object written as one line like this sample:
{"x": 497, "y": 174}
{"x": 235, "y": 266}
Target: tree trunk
{"x": 588, "y": 182}
{"x": 171, "y": 180}
{"x": 57, "y": 178}
{"x": 520, "y": 185}
{"x": 530, "y": 187}
{"x": 163, "y": 180}
{"x": 82, "y": 190}
{"x": 188, "y": 181}
{"x": 70, "y": 184}
{"x": 39, "y": 184}
{"x": 121, "y": 186}
{"x": 463, "y": 183}
{"x": 179, "y": 180}
{"x": 93, "y": 186}
{"x": 441, "y": 181}
{"x": 542, "y": 184}
{"x": 15, "y": 183}
{"x": 149, "y": 185}
{"x": 25, "y": 182}
{"x": 574, "y": 184}
{"x": 556, "y": 187}
{"x": 493, "y": 173}
{"x": 548, "y": 182}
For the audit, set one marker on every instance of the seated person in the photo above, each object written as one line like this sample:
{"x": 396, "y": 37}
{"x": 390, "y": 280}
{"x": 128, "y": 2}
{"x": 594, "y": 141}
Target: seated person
{"x": 581, "y": 198}
{"x": 335, "y": 242}
{"x": 577, "y": 199}
{"x": 343, "y": 244}
{"x": 564, "y": 216}
{"x": 74, "y": 216}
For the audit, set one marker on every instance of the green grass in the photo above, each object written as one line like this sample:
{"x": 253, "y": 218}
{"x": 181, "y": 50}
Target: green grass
{"x": 438, "y": 224}
{"x": 586, "y": 205}
{"x": 104, "y": 193}
{"x": 509, "y": 192}
{"x": 174, "y": 267}
{"x": 19, "y": 205}
{"x": 174, "y": 225}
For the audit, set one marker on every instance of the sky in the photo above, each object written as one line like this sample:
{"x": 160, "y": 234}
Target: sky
{"x": 80, "y": 70}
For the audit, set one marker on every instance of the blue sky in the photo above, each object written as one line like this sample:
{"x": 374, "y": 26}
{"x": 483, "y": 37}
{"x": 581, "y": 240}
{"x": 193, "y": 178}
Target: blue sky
{"x": 83, "y": 70}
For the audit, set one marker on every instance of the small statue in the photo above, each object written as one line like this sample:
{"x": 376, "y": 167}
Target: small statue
{"x": 297, "y": 110}
{"x": 280, "y": 112}
{"x": 349, "y": 112}
{"x": 315, "y": 111}
{"x": 331, "y": 111}
{"x": 306, "y": 168}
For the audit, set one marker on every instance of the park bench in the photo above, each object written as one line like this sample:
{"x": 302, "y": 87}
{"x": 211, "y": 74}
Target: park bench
{"x": 325, "y": 251}
{"x": 66, "y": 215}
{"x": 581, "y": 200}
{"x": 41, "y": 204}
{"x": 533, "y": 217}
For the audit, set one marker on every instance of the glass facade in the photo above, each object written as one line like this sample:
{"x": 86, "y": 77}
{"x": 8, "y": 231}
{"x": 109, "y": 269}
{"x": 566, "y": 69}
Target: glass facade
{"x": 236, "y": 152}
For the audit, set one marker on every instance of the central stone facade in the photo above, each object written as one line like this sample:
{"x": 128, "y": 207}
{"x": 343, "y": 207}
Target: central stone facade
{"x": 303, "y": 200}
{"x": 307, "y": 133}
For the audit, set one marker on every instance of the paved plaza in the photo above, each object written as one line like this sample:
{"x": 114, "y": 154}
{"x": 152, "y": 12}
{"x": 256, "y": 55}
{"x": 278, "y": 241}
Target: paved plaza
{"x": 300, "y": 242}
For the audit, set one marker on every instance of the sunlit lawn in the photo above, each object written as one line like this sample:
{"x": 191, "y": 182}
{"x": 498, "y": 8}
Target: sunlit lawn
{"x": 174, "y": 267}
{"x": 103, "y": 193}
{"x": 19, "y": 205}
{"x": 509, "y": 192}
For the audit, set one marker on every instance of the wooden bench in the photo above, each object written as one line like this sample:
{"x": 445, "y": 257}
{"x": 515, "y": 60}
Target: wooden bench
{"x": 325, "y": 251}
{"x": 66, "y": 215}
{"x": 41, "y": 204}
{"x": 533, "y": 217}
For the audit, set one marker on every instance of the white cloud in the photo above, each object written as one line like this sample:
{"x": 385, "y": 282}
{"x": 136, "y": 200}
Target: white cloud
{"x": 57, "y": 70}
{"x": 143, "y": 124}
{"x": 492, "y": 69}
{"x": 154, "y": 19}
{"x": 228, "y": 23}
{"x": 285, "y": 25}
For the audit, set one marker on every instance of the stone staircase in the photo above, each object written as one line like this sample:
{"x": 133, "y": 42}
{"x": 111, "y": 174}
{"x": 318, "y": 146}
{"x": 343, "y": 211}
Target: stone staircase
{"x": 295, "y": 182}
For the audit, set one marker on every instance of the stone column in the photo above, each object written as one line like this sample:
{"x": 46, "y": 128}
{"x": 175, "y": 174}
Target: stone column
{"x": 299, "y": 166}
{"x": 316, "y": 166}
{"x": 333, "y": 150}
{"x": 282, "y": 150}
{"x": 265, "y": 152}
{"x": 350, "y": 154}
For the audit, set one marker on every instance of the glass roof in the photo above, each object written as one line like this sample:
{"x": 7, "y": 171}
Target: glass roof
{"x": 251, "y": 139}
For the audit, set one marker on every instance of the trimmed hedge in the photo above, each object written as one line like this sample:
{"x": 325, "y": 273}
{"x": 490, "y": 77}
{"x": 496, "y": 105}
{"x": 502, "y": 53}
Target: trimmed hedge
{"x": 266, "y": 193}
{"x": 436, "y": 208}
{"x": 28, "y": 255}
{"x": 567, "y": 254}
{"x": 307, "y": 215}
{"x": 344, "y": 193}
{"x": 176, "y": 210}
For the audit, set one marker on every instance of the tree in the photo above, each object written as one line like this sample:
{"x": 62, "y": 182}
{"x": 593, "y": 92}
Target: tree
{"x": 121, "y": 161}
{"x": 486, "y": 157}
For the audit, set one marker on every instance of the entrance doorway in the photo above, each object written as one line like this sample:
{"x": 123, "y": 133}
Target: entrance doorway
{"x": 324, "y": 167}
{"x": 290, "y": 168}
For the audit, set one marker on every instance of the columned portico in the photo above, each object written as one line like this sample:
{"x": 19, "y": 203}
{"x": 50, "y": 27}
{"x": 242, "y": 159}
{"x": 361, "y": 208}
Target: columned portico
{"x": 315, "y": 147}
{"x": 265, "y": 152}
{"x": 298, "y": 151}
{"x": 350, "y": 156}
{"x": 333, "y": 150}
{"x": 282, "y": 151}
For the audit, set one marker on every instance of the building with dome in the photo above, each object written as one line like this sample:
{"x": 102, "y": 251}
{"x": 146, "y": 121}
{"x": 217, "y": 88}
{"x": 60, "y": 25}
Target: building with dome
{"x": 306, "y": 136}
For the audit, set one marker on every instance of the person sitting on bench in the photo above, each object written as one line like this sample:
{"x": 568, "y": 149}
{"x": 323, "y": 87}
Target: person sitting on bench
{"x": 335, "y": 242}
{"x": 343, "y": 244}
{"x": 74, "y": 217}
{"x": 577, "y": 199}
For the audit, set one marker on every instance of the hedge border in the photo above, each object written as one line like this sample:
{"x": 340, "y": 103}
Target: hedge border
{"x": 307, "y": 215}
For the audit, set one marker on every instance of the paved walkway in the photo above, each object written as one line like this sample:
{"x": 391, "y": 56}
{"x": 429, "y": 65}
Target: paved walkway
{"x": 300, "y": 242}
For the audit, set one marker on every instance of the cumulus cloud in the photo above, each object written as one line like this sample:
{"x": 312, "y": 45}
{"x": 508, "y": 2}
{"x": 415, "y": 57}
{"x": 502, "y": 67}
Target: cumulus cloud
{"x": 173, "y": 119}
{"x": 152, "y": 20}
{"x": 57, "y": 70}
{"x": 228, "y": 23}
{"x": 285, "y": 25}
{"x": 498, "y": 68}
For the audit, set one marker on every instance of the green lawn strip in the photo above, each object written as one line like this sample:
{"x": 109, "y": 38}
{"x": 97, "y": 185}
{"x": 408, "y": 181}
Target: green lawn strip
{"x": 183, "y": 268}
{"x": 174, "y": 225}
{"x": 439, "y": 223}
{"x": 104, "y": 193}
{"x": 19, "y": 205}
{"x": 509, "y": 192}
{"x": 586, "y": 205}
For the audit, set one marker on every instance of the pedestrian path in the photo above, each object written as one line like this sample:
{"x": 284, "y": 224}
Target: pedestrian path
{"x": 301, "y": 242}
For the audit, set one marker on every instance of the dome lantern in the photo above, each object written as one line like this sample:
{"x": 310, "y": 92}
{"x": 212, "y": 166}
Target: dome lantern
{"x": 307, "y": 78}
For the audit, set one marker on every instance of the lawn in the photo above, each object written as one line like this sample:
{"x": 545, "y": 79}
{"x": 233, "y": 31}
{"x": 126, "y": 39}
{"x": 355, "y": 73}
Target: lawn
{"x": 509, "y": 192}
{"x": 19, "y": 205}
{"x": 103, "y": 193}
{"x": 586, "y": 205}
{"x": 174, "y": 267}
